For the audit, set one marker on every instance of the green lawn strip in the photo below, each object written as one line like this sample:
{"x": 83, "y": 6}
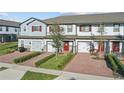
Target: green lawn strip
{"x": 6, "y": 51}
{"x": 59, "y": 63}
{"x": 7, "y": 48}
{"x": 3, "y": 68}
{"x": 37, "y": 64}
{"x": 27, "y": 57}
{"x": 37, "y": 76}
{"x": 8, "y": 45}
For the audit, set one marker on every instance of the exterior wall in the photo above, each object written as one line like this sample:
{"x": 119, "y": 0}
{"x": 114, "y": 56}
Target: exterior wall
{"x": 29, "y": 32}
{"x": 11, "y": 30}
{"x": 108, "y": 30}
{"x": 65, "y": 32}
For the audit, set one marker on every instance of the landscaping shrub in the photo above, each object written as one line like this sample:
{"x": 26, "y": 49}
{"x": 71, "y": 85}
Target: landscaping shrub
{"x": 119, "y": 64}
{"x": 38, "y": 63}
{"x": 112, "y": 63}
{"x": 21, "y": 49}
{"x": 24, "y": 58}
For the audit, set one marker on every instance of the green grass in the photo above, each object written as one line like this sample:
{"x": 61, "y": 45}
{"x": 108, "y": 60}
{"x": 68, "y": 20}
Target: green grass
{"x": 37, "y": 76}
{"x": 8, "y": 47}
{"x": 57, "y": 64}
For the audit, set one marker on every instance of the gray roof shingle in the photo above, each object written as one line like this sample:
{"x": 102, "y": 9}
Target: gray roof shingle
{"x": 117, "y": 17}
{"x": 9, "y": 23}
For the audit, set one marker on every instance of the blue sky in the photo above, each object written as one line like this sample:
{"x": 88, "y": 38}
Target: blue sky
{"x": 22, "y": 16}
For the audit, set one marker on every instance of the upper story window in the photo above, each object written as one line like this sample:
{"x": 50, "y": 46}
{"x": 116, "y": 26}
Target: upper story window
{"x": 7, "y": 29}
{"x": 15, "y": 29}
{"x": 0, "y": 28}
{"x": 36, "y": 28}
{"x": 116, "y": 28}
{"x": 24, "y": 28}
{"x": 85, "y": 28}
{"x": 101, "y": 28}
{"x": 69, "y": 28}
{"x": 61, "y": 28}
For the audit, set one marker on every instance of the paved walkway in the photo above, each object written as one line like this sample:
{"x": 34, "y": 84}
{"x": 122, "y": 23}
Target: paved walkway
{"x": 32, "y": 61}
{"x": 11, "y": 74}
{"x": 84, "y": 64}
{"x": 17, "y": 71}
{"x": 8, "y": 58}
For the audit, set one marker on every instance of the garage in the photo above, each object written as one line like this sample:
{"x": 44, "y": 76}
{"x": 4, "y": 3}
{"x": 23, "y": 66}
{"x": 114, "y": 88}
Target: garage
{"x": 50, "y": 48}
{"x": 36, "y": 46}
{"x": 83, "y": 47}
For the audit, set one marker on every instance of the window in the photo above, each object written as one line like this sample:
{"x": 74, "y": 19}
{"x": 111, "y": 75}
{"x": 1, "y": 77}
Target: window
{"x": 0, "y": 28}
{"x": 61, "y": 28}
{"x": 69, "y": 28}
{"x": 51, "y": 28}
{"x": 36, "y": 28}
{"x": 7, "y": 29}
{"x": 116, "y": 28}
{"x": 100, "y": 28}
{"x": 85, "y": 28}
{"x": 24, "y": 28}
{"x": 15, "y": 29}
{"x": 22, "y": 43}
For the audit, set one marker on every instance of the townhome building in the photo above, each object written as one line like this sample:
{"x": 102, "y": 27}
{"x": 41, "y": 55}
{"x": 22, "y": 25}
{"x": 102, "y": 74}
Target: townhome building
{"x": 9, "y": 30}
{"x": 79, "y": 31}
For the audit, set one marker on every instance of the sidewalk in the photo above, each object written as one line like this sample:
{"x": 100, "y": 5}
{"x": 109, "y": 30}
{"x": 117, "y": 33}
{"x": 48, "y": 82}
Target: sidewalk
{"x": 62, "y": 75}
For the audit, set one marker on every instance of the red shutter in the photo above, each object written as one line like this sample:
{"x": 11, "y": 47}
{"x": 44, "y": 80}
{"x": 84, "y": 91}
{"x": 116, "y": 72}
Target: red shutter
{"x": 40, "y": 28}
{"x": 32, "y": 28}
{"x": 90, "y": 28}
{"x": 81, "y": 28}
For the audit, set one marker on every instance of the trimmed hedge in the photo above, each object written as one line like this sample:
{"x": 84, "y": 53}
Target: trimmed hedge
{"x": 24, "y": 58}
{"x": 115, "y": 63}
{"x": 38, "y": 63}
{"x": 119, "y": 64}
{"x": 111, "y": 61}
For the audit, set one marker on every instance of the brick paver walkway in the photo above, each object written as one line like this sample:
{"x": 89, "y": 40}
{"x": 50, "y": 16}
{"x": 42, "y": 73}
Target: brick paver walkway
{"x": 83, "y": 63}
{"x": 8, "y": 58}
{"x": 32, "y": 61}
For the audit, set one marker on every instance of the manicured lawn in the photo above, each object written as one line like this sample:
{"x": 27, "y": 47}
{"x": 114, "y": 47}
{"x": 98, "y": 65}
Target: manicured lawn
{"x": 58, "y": 63}
{"x": 8, "y": 47}
{"x": 37, "y": 76}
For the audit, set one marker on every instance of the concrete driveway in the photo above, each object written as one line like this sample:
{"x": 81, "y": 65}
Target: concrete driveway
{"x": 83, "y": 63}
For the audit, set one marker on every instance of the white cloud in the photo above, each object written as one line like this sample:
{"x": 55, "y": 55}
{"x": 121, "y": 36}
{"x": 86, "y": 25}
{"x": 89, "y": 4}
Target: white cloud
{"x": 77, "y": 13}
{"x": 3, "y": 14}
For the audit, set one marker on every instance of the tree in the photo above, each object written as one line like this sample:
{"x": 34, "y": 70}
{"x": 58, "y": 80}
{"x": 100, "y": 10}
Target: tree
{"x": 101, "y": 43}
{"x": 56, "y": 34}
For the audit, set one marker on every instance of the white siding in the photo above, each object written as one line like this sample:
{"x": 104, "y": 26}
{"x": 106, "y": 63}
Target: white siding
{"x": 11, "y": 30}
{"x": 108, "y": 31}
{"x": 29, "y": 32}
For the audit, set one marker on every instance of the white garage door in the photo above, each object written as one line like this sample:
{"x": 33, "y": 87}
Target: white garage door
{"x": 36, "y": 45}
{"x": 83, "y": 47}
{"x": 50, "y": 48}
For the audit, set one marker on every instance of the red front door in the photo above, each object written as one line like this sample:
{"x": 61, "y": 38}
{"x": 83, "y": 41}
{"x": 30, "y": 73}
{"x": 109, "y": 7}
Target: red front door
{"x": 66, "y": 46}
{"x": 115, "y": 47}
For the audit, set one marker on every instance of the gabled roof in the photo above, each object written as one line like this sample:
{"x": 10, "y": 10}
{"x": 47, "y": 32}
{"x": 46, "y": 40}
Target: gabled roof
{"x": 32, "y": 20}
{"x": 88, "y": 19}
{"x": 9, "y": 23}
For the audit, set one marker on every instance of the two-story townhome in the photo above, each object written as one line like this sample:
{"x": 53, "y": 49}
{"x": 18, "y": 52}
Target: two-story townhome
{"x": 79, "y": 31}
{"x": 9, "y": 30}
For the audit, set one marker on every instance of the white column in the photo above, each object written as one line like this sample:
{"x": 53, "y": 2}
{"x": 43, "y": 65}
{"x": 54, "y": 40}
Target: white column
{"x": 110, "y": 46}
{"x": 120, "y": 46}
